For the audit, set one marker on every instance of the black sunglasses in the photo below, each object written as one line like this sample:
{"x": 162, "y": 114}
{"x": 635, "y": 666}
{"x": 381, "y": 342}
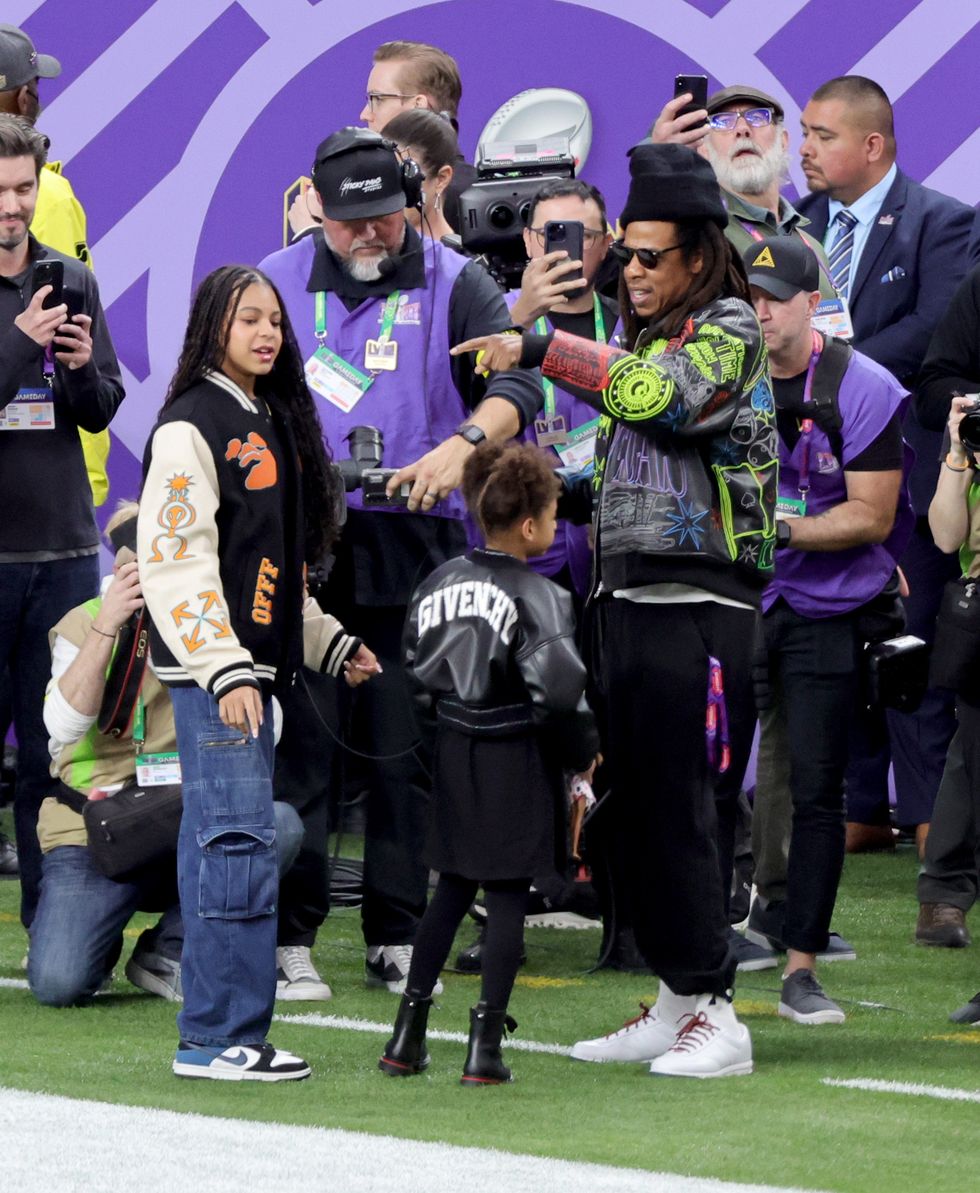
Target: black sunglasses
{"x": 648, "y": 258}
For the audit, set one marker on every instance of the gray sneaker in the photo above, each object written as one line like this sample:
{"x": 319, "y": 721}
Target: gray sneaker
{"x": 804, "y": 1001}
{"x": 155, "y": 974}
{"x": 749, "y": 954}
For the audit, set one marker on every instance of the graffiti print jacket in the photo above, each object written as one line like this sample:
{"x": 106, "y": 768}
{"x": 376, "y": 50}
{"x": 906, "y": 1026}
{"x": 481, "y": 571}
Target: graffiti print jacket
{"x": 220, "y": 547}
{"x": 686, "y": 458}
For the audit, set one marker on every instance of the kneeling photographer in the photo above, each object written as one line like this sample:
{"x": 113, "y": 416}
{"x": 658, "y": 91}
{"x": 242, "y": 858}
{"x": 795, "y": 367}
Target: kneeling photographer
{"x": 111, "y": 729}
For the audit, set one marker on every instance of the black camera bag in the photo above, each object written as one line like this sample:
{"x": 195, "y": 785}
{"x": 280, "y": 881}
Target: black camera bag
{"x": 956, "y": 649}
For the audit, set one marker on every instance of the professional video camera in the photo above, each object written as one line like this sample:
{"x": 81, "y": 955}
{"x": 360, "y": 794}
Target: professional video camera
{"x": 493, "y": 211}
{"x": 362, "y": 470}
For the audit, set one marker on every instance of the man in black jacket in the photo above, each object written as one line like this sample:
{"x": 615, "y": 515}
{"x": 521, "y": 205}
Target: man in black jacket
{"x": 58, "y": 373}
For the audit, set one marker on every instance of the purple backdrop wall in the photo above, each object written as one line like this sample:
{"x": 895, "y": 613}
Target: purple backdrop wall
{"x": 180, "y": 125}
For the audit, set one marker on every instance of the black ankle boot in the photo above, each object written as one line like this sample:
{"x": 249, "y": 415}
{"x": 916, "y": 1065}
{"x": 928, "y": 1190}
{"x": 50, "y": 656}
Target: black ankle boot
{"x": 405, "y": 1052}
{"x": 484, "y": 1064}
{"x": 470, "y": 959}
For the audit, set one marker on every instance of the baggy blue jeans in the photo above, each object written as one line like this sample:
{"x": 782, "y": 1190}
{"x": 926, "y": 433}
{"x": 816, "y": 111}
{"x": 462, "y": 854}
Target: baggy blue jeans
{"x": 227, "y": 875}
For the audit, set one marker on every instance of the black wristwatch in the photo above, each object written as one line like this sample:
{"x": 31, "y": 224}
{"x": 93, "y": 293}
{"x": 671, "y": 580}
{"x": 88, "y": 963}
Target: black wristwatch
{"x": 783, "y": 534}
{"x": 472, "y": 434}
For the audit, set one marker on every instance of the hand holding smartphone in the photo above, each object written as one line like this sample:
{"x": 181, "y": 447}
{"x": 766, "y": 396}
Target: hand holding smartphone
{"x": 568, "y": 235}
{"x": 697, "y": 87}
{"x": 49, "y": 273}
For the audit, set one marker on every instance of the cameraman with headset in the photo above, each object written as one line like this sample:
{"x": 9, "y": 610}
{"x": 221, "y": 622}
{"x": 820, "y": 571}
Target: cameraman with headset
{"x": 376, "y": 310}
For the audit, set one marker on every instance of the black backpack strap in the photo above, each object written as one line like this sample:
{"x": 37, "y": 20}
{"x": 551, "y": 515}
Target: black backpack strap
{"x": 824, "y": 396}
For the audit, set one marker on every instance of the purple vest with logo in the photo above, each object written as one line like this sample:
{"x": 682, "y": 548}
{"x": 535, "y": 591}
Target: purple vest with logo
{"x": 825, "y": 583}
{"x": 415, "y": 406}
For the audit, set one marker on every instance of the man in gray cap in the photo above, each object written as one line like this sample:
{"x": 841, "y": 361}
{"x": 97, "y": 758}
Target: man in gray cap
{"x": 748, "y": 147}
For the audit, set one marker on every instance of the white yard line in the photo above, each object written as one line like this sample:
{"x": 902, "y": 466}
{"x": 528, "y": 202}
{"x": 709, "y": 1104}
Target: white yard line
{"x": 116, "y": 1149}
{"x": 456, "y": 1037}
{"x": 942, "y": 1092}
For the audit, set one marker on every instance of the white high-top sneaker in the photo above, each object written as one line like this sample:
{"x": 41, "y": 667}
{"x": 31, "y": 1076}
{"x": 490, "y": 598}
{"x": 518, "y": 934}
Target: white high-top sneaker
{"x": 647, "y": 1036}
{"x": 712, "y": 1043}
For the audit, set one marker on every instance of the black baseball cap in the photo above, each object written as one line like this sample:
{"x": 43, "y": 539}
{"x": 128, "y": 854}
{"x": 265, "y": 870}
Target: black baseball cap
{"x": 20, "y": 62}
{"x": 358, "y": 175}
{"x": 738, "y": 91}
{"x": 783, "y": 266}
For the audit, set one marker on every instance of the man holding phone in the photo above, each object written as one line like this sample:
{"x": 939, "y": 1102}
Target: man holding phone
{"x": 58, "y": 373}
{"x": 566, "y": 240}
{"x": 740, "y": 131}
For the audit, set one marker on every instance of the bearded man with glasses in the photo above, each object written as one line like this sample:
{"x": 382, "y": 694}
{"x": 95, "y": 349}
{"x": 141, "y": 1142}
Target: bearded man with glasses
{"x": 747, "y": 145}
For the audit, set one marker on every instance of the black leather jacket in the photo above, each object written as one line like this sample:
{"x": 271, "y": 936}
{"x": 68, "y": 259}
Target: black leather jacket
{"x": 489, "y": 650}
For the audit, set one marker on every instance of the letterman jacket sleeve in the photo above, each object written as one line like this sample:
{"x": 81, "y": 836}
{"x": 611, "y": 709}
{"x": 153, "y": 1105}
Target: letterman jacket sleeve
{"x": 180, "y": 575}
{"x": 326, "y": 644}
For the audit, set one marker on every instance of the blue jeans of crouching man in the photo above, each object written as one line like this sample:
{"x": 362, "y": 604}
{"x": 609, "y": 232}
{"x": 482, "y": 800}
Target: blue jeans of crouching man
{"x": 227, "y": 875}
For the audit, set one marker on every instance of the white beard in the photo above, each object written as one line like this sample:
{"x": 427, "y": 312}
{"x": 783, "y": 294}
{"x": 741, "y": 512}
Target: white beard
{"x": 366, "y": 269}
{"x": 750, "y": 174}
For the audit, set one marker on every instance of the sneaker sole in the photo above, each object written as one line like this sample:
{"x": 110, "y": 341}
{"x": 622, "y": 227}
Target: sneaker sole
{"x": 844, "y": 955}
{"x": 742, "y": 1069}
{"x": 376, "y": 983}
{"x": 814, "y": 1019}
{"x": 616, "y": 1060}
{"x": 294, "y": 992}
{"x": 200, "y": 1071}
{"x": 759, "y": 963}
{"x": 144, "y": 980}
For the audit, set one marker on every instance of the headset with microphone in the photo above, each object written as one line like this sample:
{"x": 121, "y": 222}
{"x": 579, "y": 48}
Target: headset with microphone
{"x": 350, "y": 140}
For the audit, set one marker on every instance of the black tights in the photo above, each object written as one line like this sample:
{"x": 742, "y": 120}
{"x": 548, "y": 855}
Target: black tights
{"x": 506, "y": 902}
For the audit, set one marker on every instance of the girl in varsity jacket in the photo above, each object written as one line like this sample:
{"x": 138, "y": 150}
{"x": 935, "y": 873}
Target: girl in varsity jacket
{"x": 489, "y": 648}
{"x": 238, "y": 494}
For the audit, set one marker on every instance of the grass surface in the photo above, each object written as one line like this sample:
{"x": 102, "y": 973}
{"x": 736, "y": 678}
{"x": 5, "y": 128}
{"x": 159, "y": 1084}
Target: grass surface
{"x": 781, "y": 1126}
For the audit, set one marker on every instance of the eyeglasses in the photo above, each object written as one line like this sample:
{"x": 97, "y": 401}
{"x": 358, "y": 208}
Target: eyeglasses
{"x": 590, "y": 237}
{"x": 648, "y": 258}
{"x": 376, "y": 97}
{"x": 754, "y": 118}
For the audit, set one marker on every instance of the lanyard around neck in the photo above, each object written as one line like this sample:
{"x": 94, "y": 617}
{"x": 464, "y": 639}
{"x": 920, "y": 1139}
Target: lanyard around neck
{"x": 806, "y": 424}
{"x": 320, "y": 315}
{"x": 541, "y": 327}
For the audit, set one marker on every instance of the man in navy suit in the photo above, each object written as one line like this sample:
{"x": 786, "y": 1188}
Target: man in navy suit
{"x": 911, "y": 247}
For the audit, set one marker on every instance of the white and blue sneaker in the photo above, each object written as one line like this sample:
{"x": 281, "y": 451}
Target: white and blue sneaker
{"x": 239, "y": 1062}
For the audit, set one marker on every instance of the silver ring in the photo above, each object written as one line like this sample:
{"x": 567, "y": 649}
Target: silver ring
{"x": 72, "y": 364}
{"x": 434, "y": 496}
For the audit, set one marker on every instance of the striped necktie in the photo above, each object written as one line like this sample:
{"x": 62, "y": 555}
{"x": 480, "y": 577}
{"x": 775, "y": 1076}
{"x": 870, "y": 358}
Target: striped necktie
{"x": 841, "y": 250}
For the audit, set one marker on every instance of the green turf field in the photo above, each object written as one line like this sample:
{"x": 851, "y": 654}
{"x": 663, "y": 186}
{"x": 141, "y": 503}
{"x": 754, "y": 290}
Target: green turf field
{"x": 781, "y": 1126}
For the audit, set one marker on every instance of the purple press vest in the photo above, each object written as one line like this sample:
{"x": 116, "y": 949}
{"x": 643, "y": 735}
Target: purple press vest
{"x": 826, "y": 583}
{"x": 416, "y": 406}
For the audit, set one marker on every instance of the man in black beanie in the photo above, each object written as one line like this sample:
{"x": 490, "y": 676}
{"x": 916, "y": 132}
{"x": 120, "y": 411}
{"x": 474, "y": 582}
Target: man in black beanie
{"x": 685, "y": 481}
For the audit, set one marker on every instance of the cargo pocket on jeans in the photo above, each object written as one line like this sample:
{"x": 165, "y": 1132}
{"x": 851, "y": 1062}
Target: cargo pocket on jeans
{"x": 239, "y": 876}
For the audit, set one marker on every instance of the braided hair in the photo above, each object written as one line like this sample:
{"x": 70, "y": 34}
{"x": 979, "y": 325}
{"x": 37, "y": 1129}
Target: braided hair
{"x": 722, "y": 275}
{"x": 283, "y": 387}
{"x": 506, "y": 484}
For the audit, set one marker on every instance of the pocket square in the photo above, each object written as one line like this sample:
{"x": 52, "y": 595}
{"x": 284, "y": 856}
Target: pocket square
{"x": 895, "y": 274}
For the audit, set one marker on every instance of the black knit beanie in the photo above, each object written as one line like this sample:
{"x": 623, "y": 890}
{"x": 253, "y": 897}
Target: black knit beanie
{"x": 670, "y": 183}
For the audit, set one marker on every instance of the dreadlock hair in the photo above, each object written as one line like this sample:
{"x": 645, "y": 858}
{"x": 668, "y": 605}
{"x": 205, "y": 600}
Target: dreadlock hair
{"x": 722, "y": 275}
{"x": 503, "y": 485}
{"x": 283, "y": 387}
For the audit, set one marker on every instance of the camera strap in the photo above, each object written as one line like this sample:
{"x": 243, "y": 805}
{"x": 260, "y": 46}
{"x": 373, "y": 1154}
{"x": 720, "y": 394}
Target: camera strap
{"x": 121, "y": 695}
